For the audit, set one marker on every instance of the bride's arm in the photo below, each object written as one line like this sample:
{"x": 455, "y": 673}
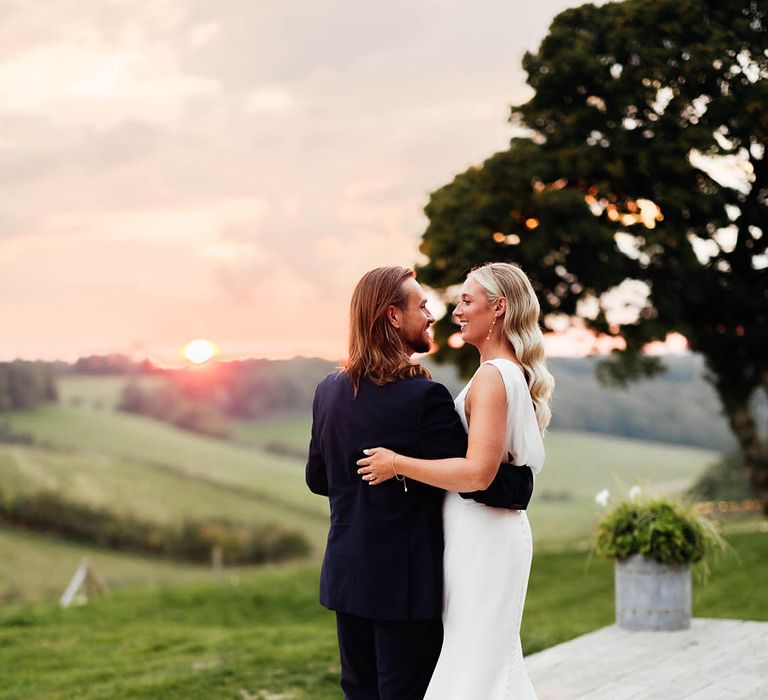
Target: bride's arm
{"x": 487, "y": 400}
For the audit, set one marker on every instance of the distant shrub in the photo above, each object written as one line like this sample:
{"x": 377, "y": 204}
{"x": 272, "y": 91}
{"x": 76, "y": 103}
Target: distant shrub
{"x": 10, "y": 435}
{"x": 112, "y": 364}
{"x": 193, "y": 540}
{"x": 725, "y": 480}
{"x": 554, "y": 495}
{"x": 283, "y": 450}
{"x": 26, "y": 385}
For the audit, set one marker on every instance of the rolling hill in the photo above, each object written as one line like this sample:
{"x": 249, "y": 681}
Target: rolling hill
{"x": 131, "y": 463}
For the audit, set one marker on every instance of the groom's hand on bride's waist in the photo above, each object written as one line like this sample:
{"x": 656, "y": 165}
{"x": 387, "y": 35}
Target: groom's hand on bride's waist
{"x": 512, "y": 488}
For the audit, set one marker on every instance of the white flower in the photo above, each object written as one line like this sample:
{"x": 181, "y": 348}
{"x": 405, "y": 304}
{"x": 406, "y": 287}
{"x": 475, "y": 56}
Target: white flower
{"x": 634, "y": 493}
{"x": 601, "y": 497}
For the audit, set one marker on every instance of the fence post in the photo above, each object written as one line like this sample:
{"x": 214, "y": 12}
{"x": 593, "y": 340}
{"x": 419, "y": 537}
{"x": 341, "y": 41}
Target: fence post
{"x": 217, "y": 561}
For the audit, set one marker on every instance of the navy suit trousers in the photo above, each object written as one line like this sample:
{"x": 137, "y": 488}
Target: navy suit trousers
{"x": 385, "y": 660}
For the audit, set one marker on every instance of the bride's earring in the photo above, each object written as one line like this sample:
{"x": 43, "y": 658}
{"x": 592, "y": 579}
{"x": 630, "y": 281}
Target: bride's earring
{"x": 488, "y": 337}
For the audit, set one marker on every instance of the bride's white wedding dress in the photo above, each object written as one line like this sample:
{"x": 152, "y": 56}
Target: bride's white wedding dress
{"x": 487, "y": 561}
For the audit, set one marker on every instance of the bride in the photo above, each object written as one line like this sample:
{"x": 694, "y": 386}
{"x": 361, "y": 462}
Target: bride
{"x": 487, "y": 559}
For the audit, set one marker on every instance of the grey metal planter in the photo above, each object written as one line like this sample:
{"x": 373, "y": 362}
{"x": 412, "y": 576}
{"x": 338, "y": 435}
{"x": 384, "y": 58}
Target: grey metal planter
{"x": 652, "y": 596}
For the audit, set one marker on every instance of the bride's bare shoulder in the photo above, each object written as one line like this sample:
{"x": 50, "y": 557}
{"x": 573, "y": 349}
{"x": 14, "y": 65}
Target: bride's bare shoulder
{"x": 487, "y": 384}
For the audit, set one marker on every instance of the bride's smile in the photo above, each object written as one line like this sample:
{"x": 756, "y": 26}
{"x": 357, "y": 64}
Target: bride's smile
{"x": 474, "y": 313}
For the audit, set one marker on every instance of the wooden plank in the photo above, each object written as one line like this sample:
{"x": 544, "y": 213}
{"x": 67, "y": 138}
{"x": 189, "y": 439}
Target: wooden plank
{"x": 713, "y": 659}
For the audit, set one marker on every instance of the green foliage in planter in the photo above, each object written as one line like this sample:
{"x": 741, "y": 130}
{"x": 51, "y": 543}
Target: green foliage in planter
{"x": 662, "y": 530}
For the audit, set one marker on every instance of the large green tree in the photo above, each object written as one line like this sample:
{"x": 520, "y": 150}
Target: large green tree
{"x": 644, "y": 164}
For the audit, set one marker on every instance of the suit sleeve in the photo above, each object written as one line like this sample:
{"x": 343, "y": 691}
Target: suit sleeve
{"x": 441, "y": 433}
{"x": 316, "y": 474}
{"x": 512, "y": 487}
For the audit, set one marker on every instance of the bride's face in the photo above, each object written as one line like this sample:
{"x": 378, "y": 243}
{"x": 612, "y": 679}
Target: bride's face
{"x": 473, "y": 313}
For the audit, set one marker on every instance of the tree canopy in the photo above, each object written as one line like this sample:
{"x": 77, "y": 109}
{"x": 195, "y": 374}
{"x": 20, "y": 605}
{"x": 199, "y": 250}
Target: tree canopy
{"x": 643, "y": 170}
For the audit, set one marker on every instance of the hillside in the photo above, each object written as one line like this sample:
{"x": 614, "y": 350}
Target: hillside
{"x": 136, "y": 467}
{"x": 130, "y": 463}
{"x": 88, "y": 433}
{"x": 35, "y": 567}
{"x": 157, "y": 491}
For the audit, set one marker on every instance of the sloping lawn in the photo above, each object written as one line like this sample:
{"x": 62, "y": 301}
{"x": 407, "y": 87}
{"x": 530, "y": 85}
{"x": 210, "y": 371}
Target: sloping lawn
{"x": 263, "y": 635}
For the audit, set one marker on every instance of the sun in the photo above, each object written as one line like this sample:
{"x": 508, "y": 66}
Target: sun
{"x": 200, "y": 351}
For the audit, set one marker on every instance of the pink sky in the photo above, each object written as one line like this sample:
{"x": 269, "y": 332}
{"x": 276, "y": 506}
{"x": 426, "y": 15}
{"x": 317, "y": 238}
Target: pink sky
{"x": 182, "y": 169}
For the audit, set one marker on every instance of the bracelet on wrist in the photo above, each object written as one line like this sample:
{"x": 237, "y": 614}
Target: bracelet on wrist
{"x": 399, "y": 477}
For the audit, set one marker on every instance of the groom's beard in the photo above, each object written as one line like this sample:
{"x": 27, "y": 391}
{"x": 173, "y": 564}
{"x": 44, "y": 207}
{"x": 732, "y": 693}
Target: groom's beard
{"x": 421, "y": 344}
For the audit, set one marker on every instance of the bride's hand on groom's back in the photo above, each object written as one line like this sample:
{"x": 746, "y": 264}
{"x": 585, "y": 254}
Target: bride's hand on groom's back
{"x": 377, "y": 466}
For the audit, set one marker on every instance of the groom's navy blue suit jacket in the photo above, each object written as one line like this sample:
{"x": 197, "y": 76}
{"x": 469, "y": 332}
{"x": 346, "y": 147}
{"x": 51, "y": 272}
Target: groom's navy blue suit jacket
{"x": 384, "y": 556}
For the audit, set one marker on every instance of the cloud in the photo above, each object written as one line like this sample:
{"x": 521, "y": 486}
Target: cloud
{"x": 173, "y": 165}
{"x": 96, "y": 83}
{"x": 269, "y": 99}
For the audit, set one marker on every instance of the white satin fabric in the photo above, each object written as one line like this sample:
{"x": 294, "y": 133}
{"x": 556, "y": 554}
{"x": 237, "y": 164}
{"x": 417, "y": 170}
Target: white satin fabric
{"x": 487, "y": 562}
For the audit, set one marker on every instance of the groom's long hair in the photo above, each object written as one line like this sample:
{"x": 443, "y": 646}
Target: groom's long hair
{"x": 376, "y": 350}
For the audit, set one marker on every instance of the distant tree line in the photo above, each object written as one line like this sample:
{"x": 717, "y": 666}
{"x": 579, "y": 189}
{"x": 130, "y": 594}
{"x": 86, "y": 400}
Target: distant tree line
{"x": 26, "y": 385}
{"x": 678, "y": 407}
{"x": 192, "y": 540}
{"x": 204, "y": 399}
{"x": 114, "y": 363}
{"x": 254, "y": 389}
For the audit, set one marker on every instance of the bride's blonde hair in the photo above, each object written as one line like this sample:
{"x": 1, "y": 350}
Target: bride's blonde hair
{"x": 521, "y": 328}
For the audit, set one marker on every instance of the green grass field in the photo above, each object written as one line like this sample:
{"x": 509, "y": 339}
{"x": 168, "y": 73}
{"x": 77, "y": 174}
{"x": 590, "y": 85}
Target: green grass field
{"x": 128, "y": 436}
{"x": 97, "y": 391}
{"x": 168, "y": 630}
{"x": 36, "y": 568}
{"x": 580, "y": 465}
{"x": 155, "y": 491}
{"x": 263, "y": 635}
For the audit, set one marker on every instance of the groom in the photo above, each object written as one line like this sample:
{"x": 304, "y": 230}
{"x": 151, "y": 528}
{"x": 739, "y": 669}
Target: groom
{"x": 383, "y": 566}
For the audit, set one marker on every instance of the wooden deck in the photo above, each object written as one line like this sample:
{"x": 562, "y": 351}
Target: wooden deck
{"x": 713, "y": 660}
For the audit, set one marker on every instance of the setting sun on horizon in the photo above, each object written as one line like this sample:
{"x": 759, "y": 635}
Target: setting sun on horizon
{"x": 200, "y": 351}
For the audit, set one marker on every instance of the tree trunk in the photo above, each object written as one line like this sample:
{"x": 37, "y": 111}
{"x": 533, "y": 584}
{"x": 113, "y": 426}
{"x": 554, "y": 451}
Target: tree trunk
{"x": 755, "y": 454}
